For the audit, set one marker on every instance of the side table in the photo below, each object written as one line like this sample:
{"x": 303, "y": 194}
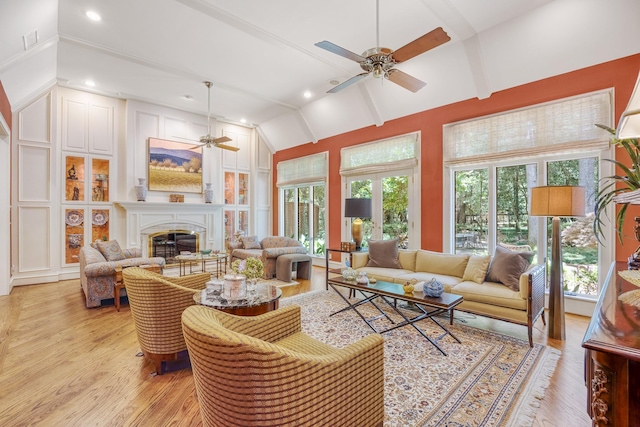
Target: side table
{"x": 327, "y": 270}
{"x": 119, "y": 283}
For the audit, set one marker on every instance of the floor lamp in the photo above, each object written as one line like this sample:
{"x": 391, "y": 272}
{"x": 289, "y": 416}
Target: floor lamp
{"x": 557, "y": 201}
{"x": 357, "y": 208}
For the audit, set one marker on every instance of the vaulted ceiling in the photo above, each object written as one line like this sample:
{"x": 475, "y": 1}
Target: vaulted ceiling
{"x": 261, "y": 58}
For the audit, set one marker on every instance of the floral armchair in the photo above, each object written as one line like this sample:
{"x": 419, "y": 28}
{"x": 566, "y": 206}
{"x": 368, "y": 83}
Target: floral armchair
{"x": 268, "y": 250}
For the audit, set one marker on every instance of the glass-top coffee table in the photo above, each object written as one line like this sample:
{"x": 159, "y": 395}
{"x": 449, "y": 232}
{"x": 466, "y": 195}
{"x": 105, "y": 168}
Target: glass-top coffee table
{"x": 265, "y": 299}
{"x": 389, "y": 292}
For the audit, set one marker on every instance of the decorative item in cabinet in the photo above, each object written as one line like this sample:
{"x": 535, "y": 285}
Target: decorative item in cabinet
{"x": 243, "y": 190}
{"x": 74, "y": 234}
{"x": 229, "y": 188}
{"x": 99, "y": 224}
{"x": 100, "y": 180}
{"x": 74, "y": 182}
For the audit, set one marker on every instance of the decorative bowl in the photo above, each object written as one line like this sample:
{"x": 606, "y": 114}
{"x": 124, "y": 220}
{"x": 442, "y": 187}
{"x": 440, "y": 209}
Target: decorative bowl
{"x": 205, "y": 251}
{"x": 349, "y": 274}
{"x": 408, "y": 288}
{"x": 433, "y": 289}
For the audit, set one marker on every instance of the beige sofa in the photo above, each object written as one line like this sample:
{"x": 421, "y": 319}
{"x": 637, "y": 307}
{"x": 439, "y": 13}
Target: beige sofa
{"x": 489, "y": 299}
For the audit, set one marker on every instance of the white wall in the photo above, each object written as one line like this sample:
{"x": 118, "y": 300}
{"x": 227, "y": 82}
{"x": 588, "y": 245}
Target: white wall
{"x": 62, "y": 122}
{"x": 5, "y": 194}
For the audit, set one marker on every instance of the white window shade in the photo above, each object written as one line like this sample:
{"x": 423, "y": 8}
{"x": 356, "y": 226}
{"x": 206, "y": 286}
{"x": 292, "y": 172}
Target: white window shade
{"x": 567, "y": 125}
{"x": 394, "y": 153}
{"x": 304, "y": 170}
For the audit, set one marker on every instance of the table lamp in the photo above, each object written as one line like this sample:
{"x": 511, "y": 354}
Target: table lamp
{"x": 358, "y": 209}
{"x": 557, "y": 201}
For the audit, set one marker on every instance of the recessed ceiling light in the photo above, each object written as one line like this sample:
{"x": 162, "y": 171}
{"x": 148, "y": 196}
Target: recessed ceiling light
{"x": 243, "y": 120}
{"x": 307, "y": 94}
{"x": 93, "y": 15}
{"x": 334, "y": 82}
{"x": 188, "y": 97}
{"x": 90, "y": 83}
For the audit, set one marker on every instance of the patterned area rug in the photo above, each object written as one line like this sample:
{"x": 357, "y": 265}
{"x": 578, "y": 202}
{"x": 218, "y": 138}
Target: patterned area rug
{"x": 487, "y": 380}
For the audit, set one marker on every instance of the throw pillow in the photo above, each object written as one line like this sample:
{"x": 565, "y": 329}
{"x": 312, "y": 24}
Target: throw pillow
{"x": 251, "y": 242}
{"x": 111, "y": 250}
{"x": 508, "y": 266}
{"x": 477, "y": 267}
{"x": 383, "y": 253}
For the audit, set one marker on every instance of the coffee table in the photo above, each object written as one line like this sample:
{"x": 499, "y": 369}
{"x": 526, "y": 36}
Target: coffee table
{"x": 265, "y": 300}
{"x": 389, "y": 293}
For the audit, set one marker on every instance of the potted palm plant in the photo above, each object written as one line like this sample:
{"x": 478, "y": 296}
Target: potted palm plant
{"x": 623, "y": 189}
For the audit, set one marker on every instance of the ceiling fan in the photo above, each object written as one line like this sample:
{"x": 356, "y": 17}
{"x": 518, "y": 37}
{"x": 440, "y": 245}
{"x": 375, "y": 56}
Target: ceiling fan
{"x": 208, "y": 140}
{"x": 380, "y": 61}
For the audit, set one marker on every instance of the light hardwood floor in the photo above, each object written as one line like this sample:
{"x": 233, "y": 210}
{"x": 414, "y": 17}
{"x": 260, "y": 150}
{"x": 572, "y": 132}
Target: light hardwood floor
{"x": 62, "y": 364}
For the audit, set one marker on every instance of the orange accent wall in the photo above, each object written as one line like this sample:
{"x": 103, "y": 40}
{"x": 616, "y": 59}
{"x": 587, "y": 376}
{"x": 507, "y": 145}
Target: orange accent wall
{"x": 619, "y": 74}
{"x": 5, "y": 107}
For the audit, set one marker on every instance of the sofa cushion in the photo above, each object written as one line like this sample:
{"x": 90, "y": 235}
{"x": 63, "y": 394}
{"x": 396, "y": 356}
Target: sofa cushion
{"x": 111, "y": 250}
{"x": 407, "y": 259}
{"x": 477, "y": 268}
{"x": 386, "y": 274}
{"x": 439, "y": 263}
{"x": 251, "y": 242}
{"x": 490, "y": 293}
{"x": 447, "y": 281}
{"x": 507, "y": 267}
{"x": 383, "y": 253}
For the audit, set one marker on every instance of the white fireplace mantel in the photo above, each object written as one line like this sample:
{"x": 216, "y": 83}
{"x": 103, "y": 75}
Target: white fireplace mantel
{"x": 142, "y": 218}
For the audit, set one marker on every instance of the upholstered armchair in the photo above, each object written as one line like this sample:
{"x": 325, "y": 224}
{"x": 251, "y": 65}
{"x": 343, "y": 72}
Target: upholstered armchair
{"x": 156, "y": 304}
{"x": 263, "y": 371}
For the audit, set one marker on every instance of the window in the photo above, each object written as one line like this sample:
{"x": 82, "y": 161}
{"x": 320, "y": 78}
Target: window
{"x": 301, "y": 184}
{"x": 495, "y": 161}
{"x": 386, "y": 172}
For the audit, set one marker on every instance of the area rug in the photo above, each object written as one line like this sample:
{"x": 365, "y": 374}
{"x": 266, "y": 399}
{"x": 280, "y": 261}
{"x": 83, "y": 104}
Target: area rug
{"x": 487, "y": 380}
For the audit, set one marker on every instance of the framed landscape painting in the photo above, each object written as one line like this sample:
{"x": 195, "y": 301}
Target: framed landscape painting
{"x": 174, "y": 166}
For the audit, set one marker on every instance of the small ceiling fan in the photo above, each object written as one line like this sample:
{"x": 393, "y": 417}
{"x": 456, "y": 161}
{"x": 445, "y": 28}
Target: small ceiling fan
{"x": 380, "y": 61}
{"x": 208, "y": 140}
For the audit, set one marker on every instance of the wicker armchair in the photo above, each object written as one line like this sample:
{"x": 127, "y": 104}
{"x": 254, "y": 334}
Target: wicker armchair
{"x": 263, "y": 371}
{"x": 156, "y": 303}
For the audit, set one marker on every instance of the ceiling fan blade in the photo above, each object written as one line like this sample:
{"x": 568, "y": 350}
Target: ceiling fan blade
{"x": 333, "y": 48}
{"x": 227, "y": 147}
{"x": 422, "y": 44}
{"x": 346, "y": 83}
{"x": 196, "y": 147}
{"x": 405, "y": 80}
{"x": 221, "y": 139}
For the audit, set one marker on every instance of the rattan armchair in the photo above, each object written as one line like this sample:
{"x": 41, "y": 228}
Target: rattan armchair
{"x": 263, "y": 371}
{"x": 156, "y": 303}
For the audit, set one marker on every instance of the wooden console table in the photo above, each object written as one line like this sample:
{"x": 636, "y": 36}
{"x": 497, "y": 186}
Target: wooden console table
{"x": 612, "y": 359}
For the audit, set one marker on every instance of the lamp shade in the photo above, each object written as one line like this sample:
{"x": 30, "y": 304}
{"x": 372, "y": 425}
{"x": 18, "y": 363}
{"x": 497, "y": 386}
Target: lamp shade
{"x": 629, "y": 125}
{"x": 557, "y": 200}
{"x": 357, "y": 208}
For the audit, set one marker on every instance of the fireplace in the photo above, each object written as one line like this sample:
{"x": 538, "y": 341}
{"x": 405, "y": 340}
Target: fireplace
{"x": 169, "y": 243}
{"x": 166, "y": 229}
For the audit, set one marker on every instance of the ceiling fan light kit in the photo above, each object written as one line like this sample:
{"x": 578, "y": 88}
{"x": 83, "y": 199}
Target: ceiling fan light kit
{"x": 380, "y": 61}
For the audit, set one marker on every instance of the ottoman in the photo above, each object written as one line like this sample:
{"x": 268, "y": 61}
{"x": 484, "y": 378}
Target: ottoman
{"x": 284, "y": 266}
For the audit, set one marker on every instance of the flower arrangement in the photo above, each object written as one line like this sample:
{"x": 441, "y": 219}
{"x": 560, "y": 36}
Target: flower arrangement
{"x": 252, "y": 268}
